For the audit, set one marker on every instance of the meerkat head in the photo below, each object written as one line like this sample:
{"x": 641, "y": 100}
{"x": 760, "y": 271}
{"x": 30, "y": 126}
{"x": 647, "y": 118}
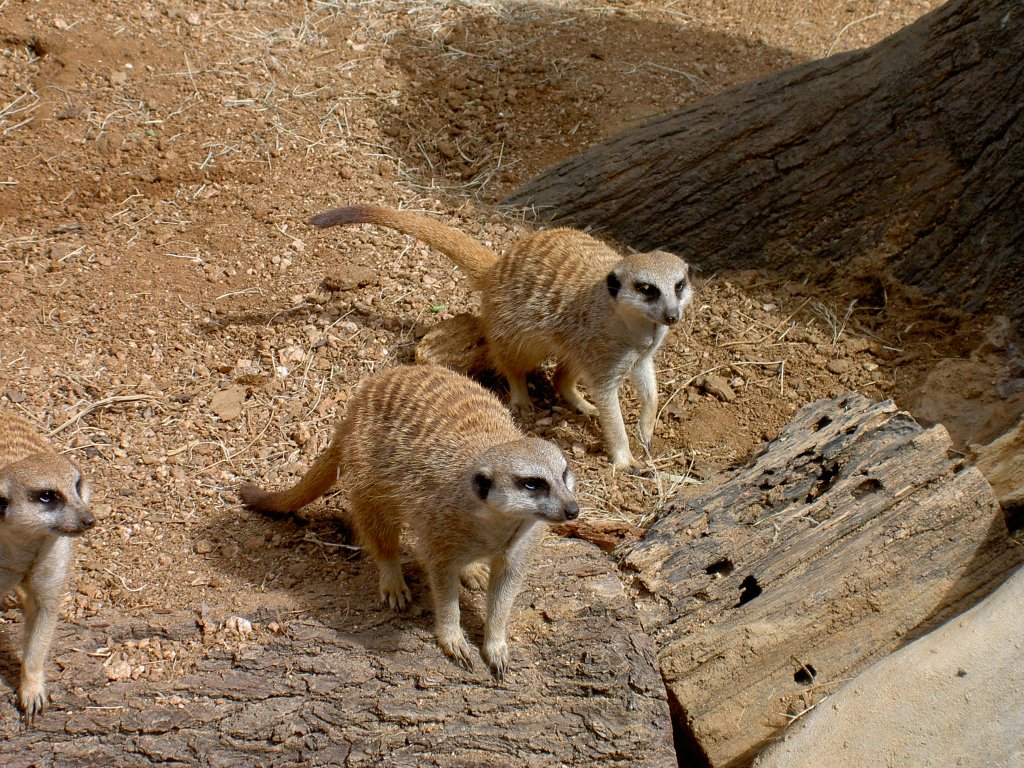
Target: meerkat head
{"x": 526, "y": 478}
{"x": 653, "y": 285}
{"x": 45, "y": 494}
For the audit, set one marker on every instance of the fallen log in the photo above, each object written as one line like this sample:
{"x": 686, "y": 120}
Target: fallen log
{"x": 852, "y": 533}
{"x": 349, "y": 683}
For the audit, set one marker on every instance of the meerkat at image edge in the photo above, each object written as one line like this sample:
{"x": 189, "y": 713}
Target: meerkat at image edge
{"x": 564, "y": 294}
{"x": 427, "y": 447}
{"x": 44, "y": 505}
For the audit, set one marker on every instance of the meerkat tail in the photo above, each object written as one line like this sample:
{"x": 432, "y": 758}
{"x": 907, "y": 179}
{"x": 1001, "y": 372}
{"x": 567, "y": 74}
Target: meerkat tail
{"x": 473, "y": 258}
{"x": 314, "y": 484}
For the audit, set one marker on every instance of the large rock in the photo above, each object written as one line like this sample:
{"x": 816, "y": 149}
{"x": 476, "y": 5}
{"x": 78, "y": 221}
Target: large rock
{"x": 953, "y": 697}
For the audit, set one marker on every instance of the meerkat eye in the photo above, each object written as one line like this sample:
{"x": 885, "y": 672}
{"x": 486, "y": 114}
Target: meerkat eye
{"x": 78, "y": 486}
{"x": 648, "y": 291}
{"x": 534, "y": 484}
{"x": 680, "y": 287}
{"x": 48, "y": 497}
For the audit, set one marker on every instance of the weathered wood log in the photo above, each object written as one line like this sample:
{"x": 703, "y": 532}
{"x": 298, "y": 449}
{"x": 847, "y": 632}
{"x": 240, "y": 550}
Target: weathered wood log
{"x": 901, "y": 160}
{"x": 849, "y": 535}
{"x": 1002, "y": 463}
{"x": 351, "y": 684}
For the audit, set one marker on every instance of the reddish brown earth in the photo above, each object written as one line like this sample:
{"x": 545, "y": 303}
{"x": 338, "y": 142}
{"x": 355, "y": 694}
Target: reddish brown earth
{"x": 170, "y": 319}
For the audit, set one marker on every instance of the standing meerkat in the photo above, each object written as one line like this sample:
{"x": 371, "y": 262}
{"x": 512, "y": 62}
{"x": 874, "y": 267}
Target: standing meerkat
{"x": 44, "y": 505}
{"x": 562, "y": 293}
{"x": 427, "y": 447}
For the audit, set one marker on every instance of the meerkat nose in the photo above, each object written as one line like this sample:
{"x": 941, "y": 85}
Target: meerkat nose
{"x": 87, "y": 519}
{"x": 671, "y": 319}
{"x": 572, "y": 510}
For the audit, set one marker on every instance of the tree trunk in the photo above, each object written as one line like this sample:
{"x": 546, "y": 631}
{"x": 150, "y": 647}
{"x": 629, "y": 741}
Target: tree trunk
{"x": 904, "y": 160}
{"x": 851, "y": 534}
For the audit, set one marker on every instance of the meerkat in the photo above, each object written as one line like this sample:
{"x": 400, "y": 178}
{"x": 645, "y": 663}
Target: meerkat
{"x": 44, "y": 505}
{"x": 564, "y": 294}
{"x": 427, "y": 447}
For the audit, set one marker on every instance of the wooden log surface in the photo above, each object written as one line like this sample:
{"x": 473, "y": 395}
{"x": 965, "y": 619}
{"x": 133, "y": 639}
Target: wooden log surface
{"x": 852, "y": 533}
{"x": 351, "y": 684}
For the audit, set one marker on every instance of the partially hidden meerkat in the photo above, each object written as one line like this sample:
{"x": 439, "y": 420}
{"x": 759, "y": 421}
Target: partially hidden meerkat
{"x": 44, "y": 505}
{"x": 427, "y": 447}
{"x": 564, "y": 294}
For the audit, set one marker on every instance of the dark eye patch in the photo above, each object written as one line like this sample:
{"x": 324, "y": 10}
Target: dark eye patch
{"x": 48, "y": 497}
{"x": 648, "y": 291}
{"x": 538, "y": 484}
{"x": 680, "y": 287}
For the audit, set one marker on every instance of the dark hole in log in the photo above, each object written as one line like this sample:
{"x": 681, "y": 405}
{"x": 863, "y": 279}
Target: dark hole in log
{"x": 823, "y": 422}
{"x": 870, "y": 485}
{"x": 720, "y": 568}
{"x": 749, "y": 589}
{"x": 805, "y": 674}
{"x": 826, "y": 478}
{"x": 850, "y": 430}
{"x": 1014, "y": 517}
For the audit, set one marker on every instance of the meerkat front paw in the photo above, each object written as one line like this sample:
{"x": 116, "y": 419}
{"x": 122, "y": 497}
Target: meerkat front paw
{"x": 456, "y": 648}
{"x": 495, "y": 654}
{"x": 475, "y": 576}
{"x": 31, "y": 701}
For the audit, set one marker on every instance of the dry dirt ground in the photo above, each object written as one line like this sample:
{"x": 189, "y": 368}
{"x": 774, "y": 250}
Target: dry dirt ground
{"x": 169, "y": 318}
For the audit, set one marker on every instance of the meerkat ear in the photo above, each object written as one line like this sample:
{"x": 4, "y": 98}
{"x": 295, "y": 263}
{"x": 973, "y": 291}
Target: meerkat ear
{"x": 482, "y": 485}
{"x": 614, "y": 284}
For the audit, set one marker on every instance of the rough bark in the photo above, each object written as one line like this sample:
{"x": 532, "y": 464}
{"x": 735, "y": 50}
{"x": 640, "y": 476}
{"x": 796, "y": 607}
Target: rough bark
{"x": 853, "y": 532}
{"x": 901, "y": 160}
{"x": 353, "y": 685}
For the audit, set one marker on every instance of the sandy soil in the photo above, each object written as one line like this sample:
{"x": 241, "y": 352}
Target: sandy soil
{"x": 170, "y": 319}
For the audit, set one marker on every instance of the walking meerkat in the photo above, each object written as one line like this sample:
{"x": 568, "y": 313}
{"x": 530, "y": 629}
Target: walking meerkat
{"x": 562, "y": 293}
{"x": 44, "y": 505}
{"x": 428, "y": 447}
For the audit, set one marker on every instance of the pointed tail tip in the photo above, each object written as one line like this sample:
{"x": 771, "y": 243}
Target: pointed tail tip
{"x": 346, "y": 214}
{"x": 255, "y": 498}
{"x": 321, "y": 220}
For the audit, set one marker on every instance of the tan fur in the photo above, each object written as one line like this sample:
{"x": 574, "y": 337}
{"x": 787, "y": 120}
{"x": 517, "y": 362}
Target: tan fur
{"x": 428, "y": 448}
{"x": 565, "y": 294}
{"x": 43, "y": 505}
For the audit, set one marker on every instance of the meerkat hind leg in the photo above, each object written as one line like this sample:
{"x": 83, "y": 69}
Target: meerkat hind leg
{"x": 565, "y": 381}
{"x": 393, "y": 589}
{"x": 518, "y": 393}
{"x": 379, "y": 530}
{"x": 475, "y": 576}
